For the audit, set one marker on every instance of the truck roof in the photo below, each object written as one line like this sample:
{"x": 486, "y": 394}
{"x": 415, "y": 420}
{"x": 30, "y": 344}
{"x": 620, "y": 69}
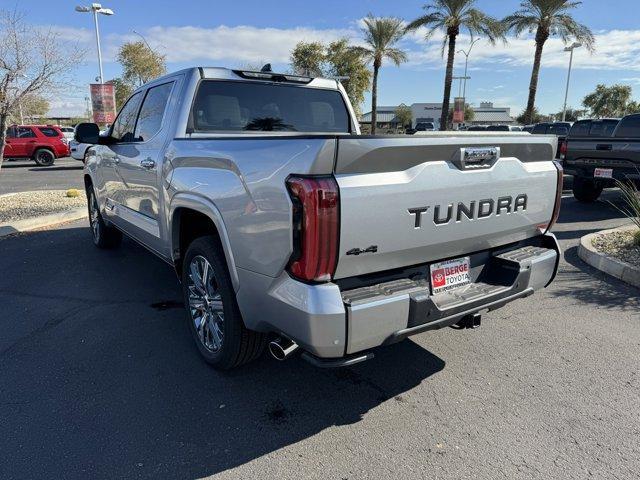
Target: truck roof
{"x": 238, "y": 74}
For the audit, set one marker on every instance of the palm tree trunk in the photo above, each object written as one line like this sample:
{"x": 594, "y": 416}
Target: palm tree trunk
{"x": 444, "y": 117}
{"x": 533, "y": 84}
{"x": 374, "y": 97}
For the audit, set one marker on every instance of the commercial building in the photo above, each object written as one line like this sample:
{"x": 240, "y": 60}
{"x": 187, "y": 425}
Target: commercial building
{"x": 485, "y": 114}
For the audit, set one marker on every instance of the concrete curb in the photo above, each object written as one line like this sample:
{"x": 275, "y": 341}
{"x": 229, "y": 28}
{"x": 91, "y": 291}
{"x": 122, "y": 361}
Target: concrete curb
{"x": 43, "y": 221}
{"x": 605, "y": 263}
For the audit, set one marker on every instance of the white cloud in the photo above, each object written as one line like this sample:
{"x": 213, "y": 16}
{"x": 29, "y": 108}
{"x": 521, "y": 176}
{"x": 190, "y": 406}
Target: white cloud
{"x": 231, "y": 45}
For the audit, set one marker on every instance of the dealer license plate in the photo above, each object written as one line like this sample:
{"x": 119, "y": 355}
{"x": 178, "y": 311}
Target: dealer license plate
{"x": 449, "y": 274}
{"x": 603, "y": 173}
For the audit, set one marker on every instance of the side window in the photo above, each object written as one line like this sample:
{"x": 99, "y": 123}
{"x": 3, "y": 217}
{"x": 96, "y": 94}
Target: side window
{"x": 125, "y": 124}
{"x": 48, "y": 131}
{"x": 11, "y": 132}
{"x": 152, "y": 111}
{"x": 25, "y": 132}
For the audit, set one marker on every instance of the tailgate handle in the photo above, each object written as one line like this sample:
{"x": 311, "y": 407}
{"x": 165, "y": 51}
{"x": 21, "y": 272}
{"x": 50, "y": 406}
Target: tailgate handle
{"x": 603, "y": 146}
{"x": 473, "y": 158}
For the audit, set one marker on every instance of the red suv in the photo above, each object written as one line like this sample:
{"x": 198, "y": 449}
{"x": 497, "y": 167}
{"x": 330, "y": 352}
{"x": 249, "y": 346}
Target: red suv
{"x": 42, "y": 143}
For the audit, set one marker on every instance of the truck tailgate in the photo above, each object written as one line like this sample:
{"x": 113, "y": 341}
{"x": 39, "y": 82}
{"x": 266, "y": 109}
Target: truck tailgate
{"x": 407, "y": 201}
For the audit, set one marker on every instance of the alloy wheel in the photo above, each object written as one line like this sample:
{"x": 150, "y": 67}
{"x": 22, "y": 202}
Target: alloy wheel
{"x": 205, "y": 304}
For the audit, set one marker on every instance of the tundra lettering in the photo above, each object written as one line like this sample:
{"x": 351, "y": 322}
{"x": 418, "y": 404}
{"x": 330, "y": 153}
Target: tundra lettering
{"x": 504, "y": 204}
{"x": 288, "y": 229}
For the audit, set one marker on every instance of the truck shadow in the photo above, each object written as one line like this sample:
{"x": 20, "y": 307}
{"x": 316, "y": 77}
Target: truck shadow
{"x": 106, "y": 381}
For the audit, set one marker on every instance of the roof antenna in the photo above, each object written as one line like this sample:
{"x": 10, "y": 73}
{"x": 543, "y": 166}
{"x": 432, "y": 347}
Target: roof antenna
{"x": 266, "y": 68}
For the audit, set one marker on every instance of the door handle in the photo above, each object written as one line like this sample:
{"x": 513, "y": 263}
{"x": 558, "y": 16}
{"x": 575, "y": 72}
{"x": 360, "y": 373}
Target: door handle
{"x": 116, "y": 160}
{"x": 147, "y": 163}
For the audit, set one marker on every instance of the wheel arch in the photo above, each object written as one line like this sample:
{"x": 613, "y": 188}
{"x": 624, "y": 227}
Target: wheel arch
{"x": 191, "y": 216}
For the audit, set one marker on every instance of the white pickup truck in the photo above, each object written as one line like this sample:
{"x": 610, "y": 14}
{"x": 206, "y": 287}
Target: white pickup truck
{"x": 290, "y": 229}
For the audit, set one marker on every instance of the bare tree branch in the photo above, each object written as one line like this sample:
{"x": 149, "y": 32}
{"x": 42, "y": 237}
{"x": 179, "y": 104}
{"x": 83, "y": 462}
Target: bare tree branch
{"x": 33, "y": 61}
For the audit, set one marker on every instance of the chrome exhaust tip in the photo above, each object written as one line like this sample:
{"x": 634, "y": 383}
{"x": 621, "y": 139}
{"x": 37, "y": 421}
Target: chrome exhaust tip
{"x": 282, "y": 348}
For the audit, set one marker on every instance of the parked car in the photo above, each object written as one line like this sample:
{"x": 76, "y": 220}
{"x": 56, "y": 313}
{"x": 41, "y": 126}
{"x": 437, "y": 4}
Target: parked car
{"x": 597, "y": 161}
{"x": 41, "y": 143}
{"x": 284, "y": 222}
{"x": 477, "y": 128}
{"x": 67, "y": 132}
{"x": 559, "y": 129}
{"x": 422, "y": 127}
{"x": 528, "y": 128}
{"x": 79, "y": 150}
{"x": 498, "y": 128}
{"x": 515, "y": 128}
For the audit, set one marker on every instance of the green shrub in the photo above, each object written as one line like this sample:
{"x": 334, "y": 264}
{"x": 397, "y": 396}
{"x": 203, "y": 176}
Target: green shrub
{"x": 631, "y": 208}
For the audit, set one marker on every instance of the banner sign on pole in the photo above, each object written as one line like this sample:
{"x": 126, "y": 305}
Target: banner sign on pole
{"x": 103, "y": 101}
{"x": 458, "y": 110}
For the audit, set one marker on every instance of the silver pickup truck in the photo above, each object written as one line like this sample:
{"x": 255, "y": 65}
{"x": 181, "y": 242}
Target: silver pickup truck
{"x": 289, "y": 229}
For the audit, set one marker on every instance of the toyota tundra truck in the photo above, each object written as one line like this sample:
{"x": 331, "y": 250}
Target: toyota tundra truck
{"x": 289, "y": 229}
{"x": 602, "y": 155}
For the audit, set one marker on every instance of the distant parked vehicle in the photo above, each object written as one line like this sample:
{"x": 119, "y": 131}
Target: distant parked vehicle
{"x": 528, "y": 128}
{"x": 515, "y": 128}
{"x": 79, "y": 150}
{"x": 477, "y": 128}
{"x": 559, "y": 129}
{"x": 498, "y": 128}
{"x": 68, "y": 132}
{"x": 596, "y": 162}
{"x": 421, "y": 127}
{"x": 41, "y": 143}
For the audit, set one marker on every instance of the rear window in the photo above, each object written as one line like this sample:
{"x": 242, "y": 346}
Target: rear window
{"x": 49, "y": 132}
{"x": 249, "y": 107}
{"x": 580, "y": 129}
{"x": 540, "y": 129}
{"x": 561, "y": 130}
{"x": 629, "y": 127}
{"x": 604, "y": 128}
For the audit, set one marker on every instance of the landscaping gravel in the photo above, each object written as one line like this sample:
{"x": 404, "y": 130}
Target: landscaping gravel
{"x": 18, "y": 206}
{"x": 619, "y": 245}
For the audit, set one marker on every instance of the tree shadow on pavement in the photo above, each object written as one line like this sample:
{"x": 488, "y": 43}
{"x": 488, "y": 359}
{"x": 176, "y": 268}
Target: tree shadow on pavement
{"x": 101, "y": 379}
{"x": 606, "y": 292}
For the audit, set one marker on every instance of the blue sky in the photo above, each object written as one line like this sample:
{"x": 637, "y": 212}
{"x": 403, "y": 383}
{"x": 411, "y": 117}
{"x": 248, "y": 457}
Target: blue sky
{"x": 251, "y": 32}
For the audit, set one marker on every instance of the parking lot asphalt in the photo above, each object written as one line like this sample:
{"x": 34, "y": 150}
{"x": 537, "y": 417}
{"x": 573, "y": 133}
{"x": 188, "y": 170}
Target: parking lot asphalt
{"x": 100, "y": 379}
{"x": 26, "y": 176}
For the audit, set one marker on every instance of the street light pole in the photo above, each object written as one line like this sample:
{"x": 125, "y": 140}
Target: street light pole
{"x": 466, "y": 64}
{"x": 143, "y": 39}
{"x": 566, "y": 92}
{"x": 95, "y": 22}
{"x": 96, "y": 9}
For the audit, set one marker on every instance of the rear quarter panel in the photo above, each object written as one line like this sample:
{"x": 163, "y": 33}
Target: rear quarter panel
{"x": 245, "y": 179}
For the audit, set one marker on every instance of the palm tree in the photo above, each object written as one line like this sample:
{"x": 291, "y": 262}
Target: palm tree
{"x": 453, "y": 15}
{"x": 546, "y": 17}
{"x": 381, "y": 35}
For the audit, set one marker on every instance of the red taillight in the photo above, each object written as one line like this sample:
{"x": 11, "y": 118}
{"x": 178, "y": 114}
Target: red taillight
{"x": 556, "y": 207}
{"x": 563, "y": 149}
{"x": 316, "y": 202}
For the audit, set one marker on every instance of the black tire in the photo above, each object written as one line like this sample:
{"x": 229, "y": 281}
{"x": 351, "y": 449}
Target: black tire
{"x": 104, "y": 236}
{"x": 586, "y": 190}
{"x": 239, "y": 345}
{"x": 44, "y": 157}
